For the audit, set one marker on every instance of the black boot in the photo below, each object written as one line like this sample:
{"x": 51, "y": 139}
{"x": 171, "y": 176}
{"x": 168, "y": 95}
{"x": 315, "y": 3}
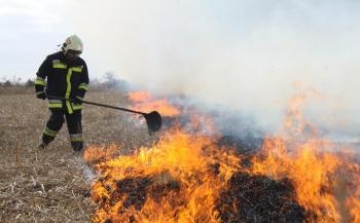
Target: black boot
{"x": 77, "y": 146}
{"x": 41, "y": 145}
{"x": 45, "y": 141}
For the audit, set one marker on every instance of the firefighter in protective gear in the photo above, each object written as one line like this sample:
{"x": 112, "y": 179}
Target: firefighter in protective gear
{"x": 64, "y": 75}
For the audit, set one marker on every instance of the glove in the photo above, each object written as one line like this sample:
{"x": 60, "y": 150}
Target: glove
{"x": 76, "y": 100}
{"x": 41, "y": 95}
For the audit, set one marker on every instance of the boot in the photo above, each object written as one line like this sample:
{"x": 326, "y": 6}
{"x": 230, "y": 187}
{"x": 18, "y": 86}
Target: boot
{"x": 41, "y": 145}
{"x": 77, "y": 146}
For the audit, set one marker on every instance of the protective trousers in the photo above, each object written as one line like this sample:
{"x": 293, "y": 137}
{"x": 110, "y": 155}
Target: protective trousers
{"x": 74, "y": 126}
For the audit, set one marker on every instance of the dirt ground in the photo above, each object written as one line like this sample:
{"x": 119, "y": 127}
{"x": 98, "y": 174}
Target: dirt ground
{"x": 53, "y": 185}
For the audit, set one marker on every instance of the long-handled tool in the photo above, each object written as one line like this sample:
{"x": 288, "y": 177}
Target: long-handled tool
{"x": 153, "y": 119}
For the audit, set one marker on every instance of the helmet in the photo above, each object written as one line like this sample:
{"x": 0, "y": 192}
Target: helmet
{"x": 73, "y": 43}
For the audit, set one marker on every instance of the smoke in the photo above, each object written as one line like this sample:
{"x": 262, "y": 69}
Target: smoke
{"x": 245, "y": 55}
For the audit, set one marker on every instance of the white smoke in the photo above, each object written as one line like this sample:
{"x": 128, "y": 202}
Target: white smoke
{"x": 245, "y": 55}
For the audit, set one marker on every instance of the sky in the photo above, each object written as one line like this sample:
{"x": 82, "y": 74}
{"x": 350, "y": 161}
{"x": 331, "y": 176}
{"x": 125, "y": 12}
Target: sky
{"x": 243, "y": 54}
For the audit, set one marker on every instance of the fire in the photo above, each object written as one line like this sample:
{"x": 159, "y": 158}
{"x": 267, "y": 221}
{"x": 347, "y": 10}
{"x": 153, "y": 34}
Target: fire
{"x": 182, "y": 177}
{"x": 144, "y": 102}
{"x": 351, "y": 193}
{"x": 316, "y": 174}
{"x": 139, "y": 96}
{"x": 175, "y": 180}
{"x": 160, "y": 105}
{"x": 311, "y": 172}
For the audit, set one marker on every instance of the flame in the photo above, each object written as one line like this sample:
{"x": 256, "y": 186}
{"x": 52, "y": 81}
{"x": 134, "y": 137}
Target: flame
{"x": 139, "y": 96}
{"x": 161, "y": 105}
{"x": 301, "y": 156}
{"x": 179, "y": 159}
{"x": 180, "y": 178}
{"x": 144, "y": 102}
{"x": 351, "y": 190}
{"x": 311, "y": 173}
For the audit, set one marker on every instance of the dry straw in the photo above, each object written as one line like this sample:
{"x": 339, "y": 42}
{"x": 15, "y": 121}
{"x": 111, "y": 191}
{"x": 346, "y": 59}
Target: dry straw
{"x": 53, "y": 185}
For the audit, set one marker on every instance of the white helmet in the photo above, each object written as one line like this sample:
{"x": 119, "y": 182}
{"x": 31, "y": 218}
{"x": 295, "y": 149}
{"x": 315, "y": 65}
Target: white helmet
{"x": 73, "y": 43}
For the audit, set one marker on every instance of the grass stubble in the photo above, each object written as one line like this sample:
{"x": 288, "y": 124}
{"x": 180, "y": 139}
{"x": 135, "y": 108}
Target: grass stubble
{"x": 53, "y": 185}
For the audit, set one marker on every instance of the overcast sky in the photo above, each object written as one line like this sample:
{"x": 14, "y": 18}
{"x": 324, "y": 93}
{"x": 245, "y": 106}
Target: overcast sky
{"x": 245, "y": 53}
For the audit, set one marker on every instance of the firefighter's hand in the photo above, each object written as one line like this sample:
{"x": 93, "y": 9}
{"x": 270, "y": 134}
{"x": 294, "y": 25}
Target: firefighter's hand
{"x": 41, "y": 95}
{"x": 77, "y": 100}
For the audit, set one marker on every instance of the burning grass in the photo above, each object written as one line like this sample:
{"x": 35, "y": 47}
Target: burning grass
{"x": 186, "y": 176}
{"x": 183, "y": 174}
{"x": 176, "y": 171}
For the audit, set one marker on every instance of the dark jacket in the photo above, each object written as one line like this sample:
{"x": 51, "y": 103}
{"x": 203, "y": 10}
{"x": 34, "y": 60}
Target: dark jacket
{"x": 63, "y": 79}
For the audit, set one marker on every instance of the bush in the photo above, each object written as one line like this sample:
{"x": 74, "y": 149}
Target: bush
{"x": 29, "y": 83}
{"x": 7, "y": 84}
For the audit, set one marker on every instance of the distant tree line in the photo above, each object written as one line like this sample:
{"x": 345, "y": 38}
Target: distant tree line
{"x": 108, "y": 81}
{"x": 16, "y": 82}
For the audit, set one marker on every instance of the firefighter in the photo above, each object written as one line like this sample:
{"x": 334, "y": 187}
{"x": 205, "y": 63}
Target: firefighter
{"x": 63, "y": 79}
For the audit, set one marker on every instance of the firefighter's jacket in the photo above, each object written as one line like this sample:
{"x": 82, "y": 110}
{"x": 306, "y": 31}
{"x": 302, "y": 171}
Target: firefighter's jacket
{"x": 63, "y": 80}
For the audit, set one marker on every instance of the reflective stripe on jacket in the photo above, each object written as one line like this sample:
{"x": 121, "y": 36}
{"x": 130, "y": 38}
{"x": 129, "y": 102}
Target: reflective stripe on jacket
{"x": 62, "y": 79}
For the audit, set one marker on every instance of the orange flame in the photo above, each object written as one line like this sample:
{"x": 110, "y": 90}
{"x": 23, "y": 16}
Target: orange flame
{"x": 311, "y": 173}
{"x": 139, "y": 96}
{"x": 303, "y": 159}
{"x": 144, "y": 102}
{"x": 175, "y": 180}
{"x": 177, "y": 157}
{"x": 161, "y": 105}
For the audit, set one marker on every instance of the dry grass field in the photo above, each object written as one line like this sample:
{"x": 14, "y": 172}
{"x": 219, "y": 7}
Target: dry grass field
{"x": 52, "y": 185}
{"x": 187, "y": 166}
